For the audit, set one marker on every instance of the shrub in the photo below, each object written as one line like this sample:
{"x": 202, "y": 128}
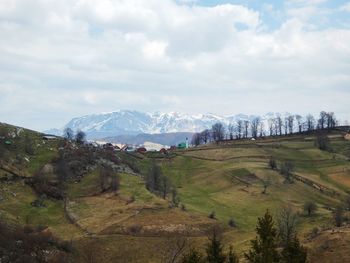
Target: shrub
{"x": 287, "y": 169}
{"x": 212, "y": 215}
{"x": 310, "y": 207}
{"x": 232, "y": 223}
{"x": 272, "y": 163}
{"x": 322, "y": 142}
{"x": 339, "y": 216}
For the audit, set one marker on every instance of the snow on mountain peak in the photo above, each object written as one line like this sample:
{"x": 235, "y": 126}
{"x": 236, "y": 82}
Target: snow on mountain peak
{"x": 129, "y": 122}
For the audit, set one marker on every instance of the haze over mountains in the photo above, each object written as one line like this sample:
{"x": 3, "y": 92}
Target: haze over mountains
{"x": 136, "y": 127}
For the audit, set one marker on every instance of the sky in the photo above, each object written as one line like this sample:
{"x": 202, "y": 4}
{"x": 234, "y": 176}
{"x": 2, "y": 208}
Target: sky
{"x": 61, "y": 59}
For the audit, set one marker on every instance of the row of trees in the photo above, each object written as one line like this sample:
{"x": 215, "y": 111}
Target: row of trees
{"x": 256, "y": 127}
{"x": 272, "y": 244}
{"x": 159, "y": 184}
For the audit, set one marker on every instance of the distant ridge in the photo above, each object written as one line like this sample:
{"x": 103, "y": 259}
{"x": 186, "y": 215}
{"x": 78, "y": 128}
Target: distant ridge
{"x": 127, "y": 122}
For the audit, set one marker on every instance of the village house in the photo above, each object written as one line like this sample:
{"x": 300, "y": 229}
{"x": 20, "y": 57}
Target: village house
{"x": 163, "y": 151}
{"x": 48, "y": 137}
{"x": 141, "y": 150}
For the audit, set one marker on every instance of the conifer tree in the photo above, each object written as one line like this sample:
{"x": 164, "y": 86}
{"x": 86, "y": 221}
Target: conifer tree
{"x": 294, "y": 252}
{"x": 264, "y": 246}
{"x": 214, "y": 250}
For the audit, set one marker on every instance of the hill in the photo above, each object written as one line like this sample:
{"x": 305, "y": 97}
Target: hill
{"x": 133, "y": 224}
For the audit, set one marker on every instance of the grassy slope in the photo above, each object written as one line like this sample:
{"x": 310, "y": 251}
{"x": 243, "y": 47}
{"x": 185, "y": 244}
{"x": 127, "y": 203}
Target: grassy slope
{"x": 207, "y": 185}
{"x": 206, "y": 181}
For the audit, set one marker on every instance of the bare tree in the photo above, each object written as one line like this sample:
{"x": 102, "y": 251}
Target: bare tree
{"x": 272, "y": 126}
{"x": 299, "y": 122}
{"x": 218, "y": 131}
{"x": 165, "y": 186}
{"x": 255, "y": 126}
{"x": 246, "y": 126}
{"x": 266, "y": 182}
{"x": 205, "y": 136}
{"x": 115, "y": 182}
{"x": 261, "y": 129}
{"x": 279, "y": 124}
{"x": 196, "y": 139}
{"x": 310, "y": 207}
{"x": 105, "y": 177}
{"x": 331, "y": 121}
{"x": 290, "y": 124}
{"x": 322, "y": 120}
{"x": 310, "y": 122}
{"x": 287, "y": 169}
{"x": 285, "y": 125}
{"x": 231, "y": 130}
{"x": 239, "y": 128}
{"x": 286, "y": 225}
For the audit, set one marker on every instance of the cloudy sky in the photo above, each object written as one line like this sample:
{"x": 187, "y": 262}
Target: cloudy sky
{"x": 65, "y": 58}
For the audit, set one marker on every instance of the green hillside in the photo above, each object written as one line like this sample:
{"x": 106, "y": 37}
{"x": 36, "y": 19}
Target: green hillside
{"x": 136, "y": 225}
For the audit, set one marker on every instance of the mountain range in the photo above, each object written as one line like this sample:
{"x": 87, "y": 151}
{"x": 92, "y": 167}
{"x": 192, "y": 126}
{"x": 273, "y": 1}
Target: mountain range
{"x": 137, "y": 126}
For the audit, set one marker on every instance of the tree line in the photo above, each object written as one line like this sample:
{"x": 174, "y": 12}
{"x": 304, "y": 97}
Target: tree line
{"x": 278, "y": 126}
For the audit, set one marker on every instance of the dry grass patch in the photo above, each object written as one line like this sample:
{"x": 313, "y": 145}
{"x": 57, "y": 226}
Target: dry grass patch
{"x": 163, "y": 222}
{"x": 97, "y": 213}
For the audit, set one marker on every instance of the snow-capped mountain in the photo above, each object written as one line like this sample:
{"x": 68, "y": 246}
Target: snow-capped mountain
{"x": 126, "y": 122}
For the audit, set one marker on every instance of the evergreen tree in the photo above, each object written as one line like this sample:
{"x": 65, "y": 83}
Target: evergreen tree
{"x": 294, "y": 252}
{"x": 192, "y": 257}
{"x": 214, "y": 250}
{"x": 264, "y": 246}
{"x": 232, "y": 257}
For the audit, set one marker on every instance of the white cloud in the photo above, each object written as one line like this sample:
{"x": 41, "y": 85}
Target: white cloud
{"x": 345, "y": 7}
{"x": 66, "y": 58}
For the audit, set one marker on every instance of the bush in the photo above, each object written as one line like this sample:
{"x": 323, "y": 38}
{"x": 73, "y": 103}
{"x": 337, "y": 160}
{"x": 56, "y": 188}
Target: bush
{"x": 232, "y": 223}
{"x": 314, "y": 232}
{"x": 272, "y": 163}
{"x": 212, "y": 215}
{"x": 310, "y": 207}
{"x": 287, "y": 169}
{"x": 339, "y": 216}
{"x": 323, "y": 143}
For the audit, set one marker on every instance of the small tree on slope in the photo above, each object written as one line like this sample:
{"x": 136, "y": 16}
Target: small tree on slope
{"x": 214, "y": 250}
{"x": 293, "y": 252}
{"x": 264, "y": 246}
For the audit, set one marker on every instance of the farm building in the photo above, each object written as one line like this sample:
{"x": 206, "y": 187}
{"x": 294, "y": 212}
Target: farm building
{"x": 127, "y": 148}
{"x": 8, "y": 142}
{"x": 48, "y": 137}
{"x": 141, "y": 150}
{"x": 163, "y": 151}
{"x": 182, "y": 145}
{"x": 108, "y": 146}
